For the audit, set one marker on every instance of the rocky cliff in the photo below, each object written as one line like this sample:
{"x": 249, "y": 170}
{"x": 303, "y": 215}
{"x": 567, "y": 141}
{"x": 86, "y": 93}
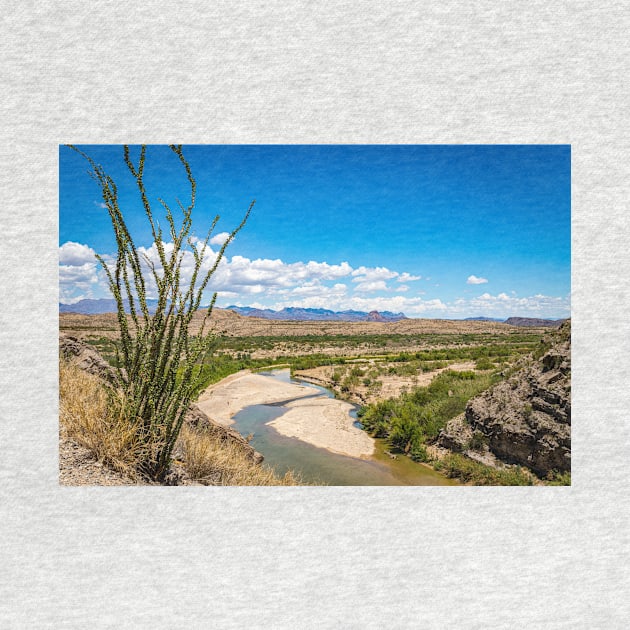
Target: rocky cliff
{"x": 525, "y": 419}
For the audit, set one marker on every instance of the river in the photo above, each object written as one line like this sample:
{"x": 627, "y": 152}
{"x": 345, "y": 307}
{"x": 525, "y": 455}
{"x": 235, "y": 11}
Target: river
{"x": 318, "y": 465}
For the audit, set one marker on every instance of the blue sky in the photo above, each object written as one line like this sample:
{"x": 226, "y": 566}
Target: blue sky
{"x": 447, "y": 231}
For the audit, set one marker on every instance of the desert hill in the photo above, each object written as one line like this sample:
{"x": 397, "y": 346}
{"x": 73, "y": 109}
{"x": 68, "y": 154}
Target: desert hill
{"x": 233, "y": 325}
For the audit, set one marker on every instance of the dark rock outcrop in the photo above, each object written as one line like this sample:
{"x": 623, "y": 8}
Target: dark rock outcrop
{"x": 86, "y": 357}
{"x": 525, "y": 419}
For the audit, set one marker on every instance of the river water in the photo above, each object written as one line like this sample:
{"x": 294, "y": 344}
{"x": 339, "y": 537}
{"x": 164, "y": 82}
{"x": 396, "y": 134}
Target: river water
{"x": 318, "y": 465}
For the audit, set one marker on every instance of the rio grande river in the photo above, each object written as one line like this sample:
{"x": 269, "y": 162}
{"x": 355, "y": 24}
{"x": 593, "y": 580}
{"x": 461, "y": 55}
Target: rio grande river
{"x": 318, "y": 465}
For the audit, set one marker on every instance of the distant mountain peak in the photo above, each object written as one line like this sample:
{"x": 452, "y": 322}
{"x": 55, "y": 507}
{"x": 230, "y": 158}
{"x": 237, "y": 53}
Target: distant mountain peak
{"x": 317, "y": 314}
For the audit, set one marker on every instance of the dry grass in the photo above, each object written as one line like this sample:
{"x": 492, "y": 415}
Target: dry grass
{"x": 94, "y": 419}
{"x": 89, "y": 416}
{"x": 209, "y": 460}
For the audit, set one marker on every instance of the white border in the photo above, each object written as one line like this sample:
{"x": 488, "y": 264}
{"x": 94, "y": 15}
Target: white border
{"x": 260, "y": 72}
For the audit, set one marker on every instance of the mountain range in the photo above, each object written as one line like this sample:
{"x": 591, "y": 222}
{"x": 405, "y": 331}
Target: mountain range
{"x": 102, "y": 305}
{"x": 105, "y": 305}
{"x": 318, "y": 314}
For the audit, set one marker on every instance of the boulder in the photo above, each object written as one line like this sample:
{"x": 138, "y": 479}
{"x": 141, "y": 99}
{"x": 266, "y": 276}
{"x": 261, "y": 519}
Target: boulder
{"x": 86, "y": 358}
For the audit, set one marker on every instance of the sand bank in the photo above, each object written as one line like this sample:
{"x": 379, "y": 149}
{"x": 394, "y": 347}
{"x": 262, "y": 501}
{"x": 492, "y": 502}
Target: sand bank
{"x": 324, "y": 422}
{"x": 321, "y": 421}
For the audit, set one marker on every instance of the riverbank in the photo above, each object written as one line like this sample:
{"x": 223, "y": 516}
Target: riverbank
{"x": 315, "y": 419}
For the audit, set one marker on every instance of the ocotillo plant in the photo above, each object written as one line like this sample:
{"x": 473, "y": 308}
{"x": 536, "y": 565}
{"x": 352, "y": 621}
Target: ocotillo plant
{"x": 159, "y": 360}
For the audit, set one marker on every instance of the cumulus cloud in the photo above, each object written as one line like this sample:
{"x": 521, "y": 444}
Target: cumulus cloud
{"x": 71, "y": 253}
{"x": 219, "y": 239}
{"x": 369, "y": 287}
{"x": 370, "y": 274}
{"x": 412, "y": 307}
{"x": 504, "y": 305}
{"x": 476, "y": 280}
{"x": 501, "y": 305}
{"x": 274, "y": 283}
{"x": 236, "y": 275}
{"x": 78, "y": 272}
{"x": 407, "y": 277}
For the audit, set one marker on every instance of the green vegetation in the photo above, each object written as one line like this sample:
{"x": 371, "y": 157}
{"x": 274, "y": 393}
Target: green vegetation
{"x": 428, "y": 341}
{"x": 459, "y": 467}
{"x": 484, "y": 363}
{"x": 158, "y": 363}
{"x": 556, "y": 478}
{"x": 219, "y": 365}
{"x": 412, "y": 421}
{"x": 416, "y": 417}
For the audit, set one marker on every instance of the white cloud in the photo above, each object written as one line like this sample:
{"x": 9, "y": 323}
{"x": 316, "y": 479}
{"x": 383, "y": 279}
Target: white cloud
{"x": 78, "y": 274}
{"x": 476, "y": 280}
{"x": 407, "y": 277}
{"x": 273, "y": 283}
{"x": 504, "y": 305}
{"x": 412, "y": 307}
{"x": 369, "y": 274}
{"x": 500, "y": 306}
{"x": 220, "y": 238}
{"x": 71, "y": 253}
{"x": 77, "y": 282}
{"x": 369, "y": 287}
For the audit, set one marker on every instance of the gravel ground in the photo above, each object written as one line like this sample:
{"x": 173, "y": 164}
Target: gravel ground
{"x": 77, "y": 467}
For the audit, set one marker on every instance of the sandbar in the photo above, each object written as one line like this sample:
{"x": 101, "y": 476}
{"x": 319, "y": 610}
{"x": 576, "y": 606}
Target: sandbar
{"x": 324, "y": 422}
{"x": 318, "y": 420}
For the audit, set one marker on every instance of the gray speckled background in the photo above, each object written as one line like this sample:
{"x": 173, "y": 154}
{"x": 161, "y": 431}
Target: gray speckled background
{"x": 326, "y": 72}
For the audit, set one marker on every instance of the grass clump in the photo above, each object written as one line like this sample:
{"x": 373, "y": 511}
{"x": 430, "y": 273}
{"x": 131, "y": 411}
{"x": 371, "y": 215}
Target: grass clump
{"x": 93, "y": 416}
{"x": 556, "y": 478}
{"x": 474, "y": 473}
{"x": 212, "y": 461}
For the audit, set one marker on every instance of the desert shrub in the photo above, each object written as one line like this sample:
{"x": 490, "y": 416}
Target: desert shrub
{"x": 93, "y": 416}
{"x": 416, "y": 417}
{"x": 419, "y": 453}
{"x": 556, "y": 478}
{"x": 460, "y": 467}
{"x": 159, "y": 361}
{"x": 484, "y": 364}
{"x": 336, "y": 376}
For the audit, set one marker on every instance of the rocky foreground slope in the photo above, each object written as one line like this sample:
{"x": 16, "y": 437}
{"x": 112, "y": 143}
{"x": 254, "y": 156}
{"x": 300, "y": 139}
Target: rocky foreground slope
{"x": 525, "y": 419}
{"x": 87, "y": 358}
